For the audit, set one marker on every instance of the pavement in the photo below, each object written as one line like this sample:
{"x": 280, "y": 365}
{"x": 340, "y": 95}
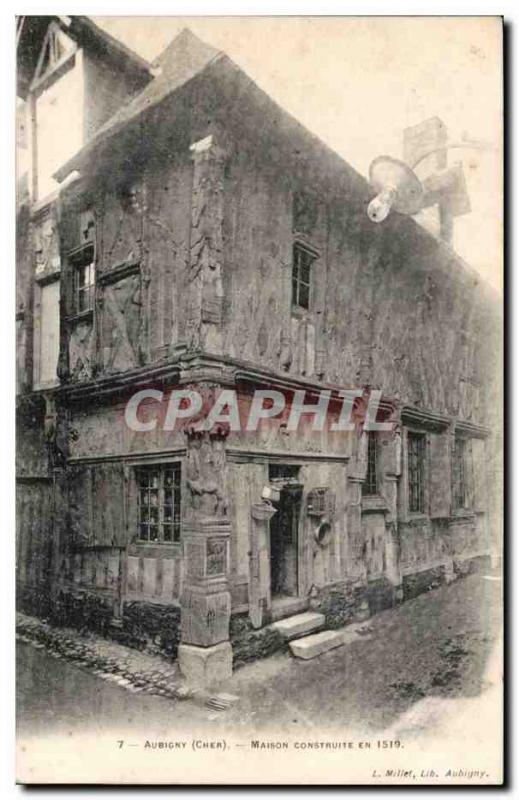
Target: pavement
{"x": 438, "y": 653}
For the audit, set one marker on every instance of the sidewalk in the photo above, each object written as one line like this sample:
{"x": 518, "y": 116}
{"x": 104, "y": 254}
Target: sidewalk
{"x": 131, "y": 669}
{"x": 433, "y": 648}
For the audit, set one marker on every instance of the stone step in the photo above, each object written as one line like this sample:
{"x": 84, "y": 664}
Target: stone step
{"x": 299, "y": 625}
{"x": 318, "y": 643}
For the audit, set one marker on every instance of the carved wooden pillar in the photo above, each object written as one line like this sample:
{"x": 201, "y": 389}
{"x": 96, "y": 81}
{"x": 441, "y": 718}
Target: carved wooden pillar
{"x": 357, "y": 565}
{"x": 205, "y": 291}
{"x": 260, "y": 599}
{"x": 390, "y": 448}
{"x": 356, "y": 549}
{"x": 205, "y": 653}
{"x": 286, "y": 353}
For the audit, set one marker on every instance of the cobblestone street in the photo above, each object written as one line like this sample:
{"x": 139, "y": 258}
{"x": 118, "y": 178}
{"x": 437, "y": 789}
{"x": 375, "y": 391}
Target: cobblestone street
{"x": 410, "y": 666}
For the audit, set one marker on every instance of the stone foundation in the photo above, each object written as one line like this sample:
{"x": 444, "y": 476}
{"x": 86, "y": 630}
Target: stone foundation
{"x": 34, "y": 600}
{"x": 419, "y": 582}
{"x": 205, "y": 666}
{"x": 381, "y": 595}
{"x": 469, "y": 566}
{"x": 249, "y": 644}
{"x": 82, "y": 610}
{"x": 151, "y": 626}
{"x": 144, "y": 626}
{"x": 342, "y": 603}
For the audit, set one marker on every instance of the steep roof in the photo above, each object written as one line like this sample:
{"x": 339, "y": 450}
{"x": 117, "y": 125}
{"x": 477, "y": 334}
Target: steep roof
{"x": 30, "y": 33}
{"x": 184, "y": 58}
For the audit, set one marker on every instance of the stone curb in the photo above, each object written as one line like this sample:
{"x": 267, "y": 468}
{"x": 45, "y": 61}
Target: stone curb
{"x": 82, "y": 652}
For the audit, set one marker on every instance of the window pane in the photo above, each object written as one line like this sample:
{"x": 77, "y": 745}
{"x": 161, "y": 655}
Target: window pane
{"x": 459, "y": 473}
{"x": 294, "y": 293}
{"x": 159, "y": 503}
{"x": 81, "y": 304}
{"x": 370, "y": 487}
{"x": 304, "y": 272}
{"x": 304, "y": 295}
{"x": 416, "y": 471}
{"x": 302, "y": 262}
{"x": 84, "y": 279}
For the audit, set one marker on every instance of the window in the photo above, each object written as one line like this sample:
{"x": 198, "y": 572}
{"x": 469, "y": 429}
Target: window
{"x": 416, "y": 471}
{"x": 301, "y": 276}
{"x": 84, "y": 280}
{"x": 370, "y": 485}
{"x": 283, "y": 471}
{"x": 159, "y": 503}
{"x": 461, "y": 472}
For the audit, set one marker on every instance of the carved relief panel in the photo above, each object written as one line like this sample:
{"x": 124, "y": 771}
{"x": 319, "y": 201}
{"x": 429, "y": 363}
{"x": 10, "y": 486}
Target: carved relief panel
{"x": 205, "y": 290}
{"x": 120, "y": 221}
{"x": 46, "y": 245}
{"x": 120, "y": 322}
{"x": 206, "y": 496}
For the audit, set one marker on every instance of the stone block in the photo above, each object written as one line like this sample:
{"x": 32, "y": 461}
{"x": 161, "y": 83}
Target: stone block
{"x": 299, "y": 625}
{"x": 204, "y": 617}
{"x": 316, "y": 644}
{"x": 205, "y": 666}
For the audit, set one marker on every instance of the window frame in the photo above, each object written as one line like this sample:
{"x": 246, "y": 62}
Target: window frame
{"x": 174, "y": 523}
{"x": 79, "y": 261}
{"x": 299, "y": 247}
{"x": 418, "y": 508}
{"x": 372, "y": 480}
{"x": 461, "y": 473}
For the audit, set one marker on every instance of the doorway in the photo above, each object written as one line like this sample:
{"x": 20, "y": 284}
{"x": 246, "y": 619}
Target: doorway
{"x": 284, "y": 531}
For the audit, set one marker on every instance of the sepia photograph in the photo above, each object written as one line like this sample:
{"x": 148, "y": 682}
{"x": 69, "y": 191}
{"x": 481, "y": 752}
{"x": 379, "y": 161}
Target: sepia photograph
{"x": 259, "y": 400}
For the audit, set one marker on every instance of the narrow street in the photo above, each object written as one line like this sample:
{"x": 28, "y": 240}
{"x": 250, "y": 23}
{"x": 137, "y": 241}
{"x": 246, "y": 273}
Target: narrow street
{"x": 411, "y": 662}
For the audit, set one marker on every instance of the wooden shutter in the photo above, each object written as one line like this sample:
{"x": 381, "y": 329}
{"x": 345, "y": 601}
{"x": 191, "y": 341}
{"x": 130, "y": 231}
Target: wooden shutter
{"x": 108, "y": 501}
{"x": 80, "y": 507}
{"x": 439, "y": 474}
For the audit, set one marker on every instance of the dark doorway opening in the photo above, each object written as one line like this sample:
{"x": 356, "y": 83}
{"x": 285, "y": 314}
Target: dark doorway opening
{"x": 284, "y": 531}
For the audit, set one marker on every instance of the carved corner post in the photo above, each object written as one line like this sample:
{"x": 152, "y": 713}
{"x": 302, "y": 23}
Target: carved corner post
{"x": 391, "y": 458}
{"x": 286, "y": 354}
{"x": 356, "y": 543}
{"x": 205, "y": 652}
{"x": 205, "y": 289}
{"x": 260, "y": 599}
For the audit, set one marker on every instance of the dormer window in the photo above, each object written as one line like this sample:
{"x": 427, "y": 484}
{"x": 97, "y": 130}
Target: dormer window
{"x": 302, "y": 262}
